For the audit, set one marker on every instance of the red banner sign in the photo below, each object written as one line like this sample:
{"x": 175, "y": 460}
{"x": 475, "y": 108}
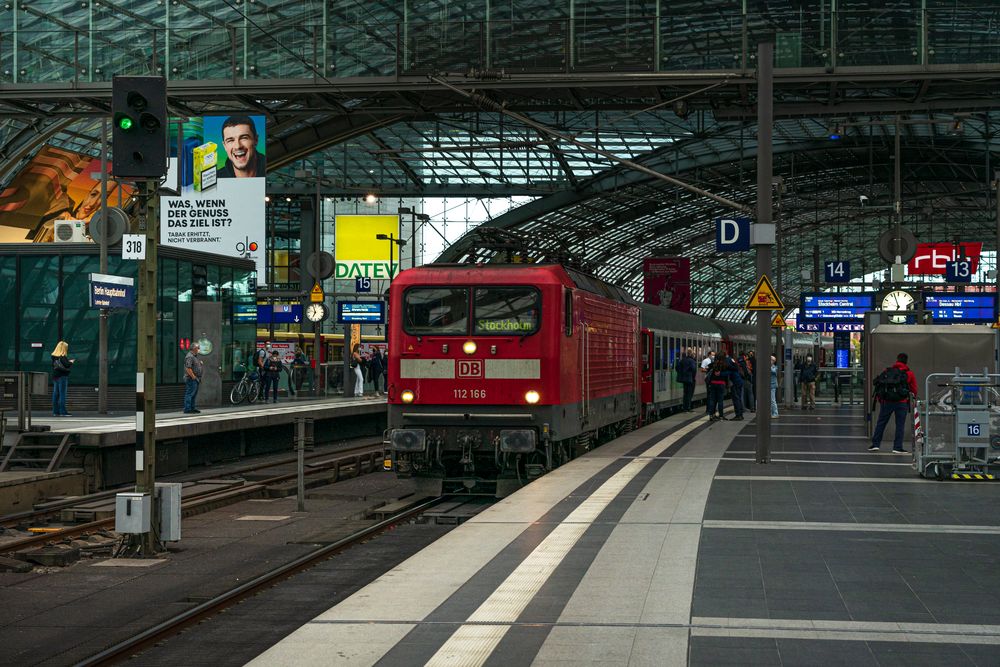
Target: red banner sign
{"x": 666, "y": 282}
{"x": 932, "y": 257}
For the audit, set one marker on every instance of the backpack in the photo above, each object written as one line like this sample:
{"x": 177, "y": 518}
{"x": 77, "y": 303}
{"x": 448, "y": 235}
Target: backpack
{"x": 891, "y": 385}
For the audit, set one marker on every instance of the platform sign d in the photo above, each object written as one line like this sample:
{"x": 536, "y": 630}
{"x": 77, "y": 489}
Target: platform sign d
{"x": 732, "y": 234}
{"x": 837, "y": 271}
{"x": 958, "y": 271}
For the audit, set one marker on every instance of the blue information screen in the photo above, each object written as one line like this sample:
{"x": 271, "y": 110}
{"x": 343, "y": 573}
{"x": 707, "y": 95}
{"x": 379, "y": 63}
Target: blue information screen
{"x": 280, "y": 313}
{"x": 361, "y": 312}
{"x": 245, "y": 312}
{"x": 962, "y": 308}
{"x": 836, "y": 307}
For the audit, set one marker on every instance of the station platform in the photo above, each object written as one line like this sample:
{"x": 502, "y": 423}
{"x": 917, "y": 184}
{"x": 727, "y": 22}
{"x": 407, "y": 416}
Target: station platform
{"x": 670, "y": 546}
{"x": 103, "y": 446}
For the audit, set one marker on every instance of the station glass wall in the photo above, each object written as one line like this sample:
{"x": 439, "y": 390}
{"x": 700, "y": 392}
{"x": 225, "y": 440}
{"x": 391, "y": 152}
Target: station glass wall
{"x": 45, "y": 298}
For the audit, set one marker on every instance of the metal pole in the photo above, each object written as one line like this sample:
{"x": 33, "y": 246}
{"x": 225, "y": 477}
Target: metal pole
{"x": 318, "y": 248}
{"x": 300, "y": 444}
{"x": 765, "y": 122}
{"x": 413, "y": 240}
{"x": 789, "y": 375}
{"x": 102, "y": 325}
{"x": 145, "y": 408}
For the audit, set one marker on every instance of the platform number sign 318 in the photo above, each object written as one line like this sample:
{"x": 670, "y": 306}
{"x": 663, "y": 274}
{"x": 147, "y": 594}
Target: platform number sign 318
{"x": 837, "y": 271}
{"x": 134, "y": 246}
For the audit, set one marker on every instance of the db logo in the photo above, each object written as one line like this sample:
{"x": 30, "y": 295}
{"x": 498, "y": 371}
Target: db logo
{"x": 470, "y": 368}
{"x": 246, "y": 246}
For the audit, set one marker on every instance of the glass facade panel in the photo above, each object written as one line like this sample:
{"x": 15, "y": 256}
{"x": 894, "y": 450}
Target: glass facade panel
{"x": 80, "y": 321}
{"x": 8, "y": 297}
{"x": 39, "y": 311}
{"x": 168, "y": 305}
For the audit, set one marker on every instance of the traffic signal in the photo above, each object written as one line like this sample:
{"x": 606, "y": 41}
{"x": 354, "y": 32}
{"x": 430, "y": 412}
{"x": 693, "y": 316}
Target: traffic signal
{"x": 139, "y": 126}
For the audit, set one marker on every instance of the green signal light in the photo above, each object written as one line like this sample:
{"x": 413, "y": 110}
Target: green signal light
{"x": 125, "y": 123}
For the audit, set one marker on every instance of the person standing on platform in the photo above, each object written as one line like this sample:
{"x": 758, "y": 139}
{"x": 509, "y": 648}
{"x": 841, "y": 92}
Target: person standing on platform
{"x": 706, "y": 364}
{"x": 736, "y": 387}
{"x": 359, "y": 378}
{"x": 893, "y": 388}
{"x": 376, "y": 367}
{"x": 193, "y": 370}
{"x": 716, "y": 378}
{"x": 62, "y": 365}
{"x": 299, "y": 365}
{"x": 272, "y": 375}
{"x": 807, "y": 377}
{"x": 746, "y": 372}
{"x": 774, "y": 387}
{"x": 687, "y": 371}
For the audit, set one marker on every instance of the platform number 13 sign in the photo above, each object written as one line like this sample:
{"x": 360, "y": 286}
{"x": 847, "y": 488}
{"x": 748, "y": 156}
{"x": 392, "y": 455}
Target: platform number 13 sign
{"x": 959, "y": 271}
{"x": 838, "y": 272}
{"x": 134, "y": 246}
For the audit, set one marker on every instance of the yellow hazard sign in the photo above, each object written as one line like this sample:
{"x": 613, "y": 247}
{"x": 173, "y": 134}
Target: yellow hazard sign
{"x": 778, "y": 321}
{"x": 764, "y": 297}
{"x": 316, "y": 294}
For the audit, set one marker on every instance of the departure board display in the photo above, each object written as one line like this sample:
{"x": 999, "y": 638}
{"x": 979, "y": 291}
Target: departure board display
{"x": 361, "y": 312}
{"x": 827, "y": 307}
{"x": 961, "y": 308}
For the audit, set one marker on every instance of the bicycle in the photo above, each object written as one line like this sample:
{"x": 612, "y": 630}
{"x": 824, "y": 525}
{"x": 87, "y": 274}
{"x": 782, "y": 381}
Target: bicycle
{"x": 247, "y": 389}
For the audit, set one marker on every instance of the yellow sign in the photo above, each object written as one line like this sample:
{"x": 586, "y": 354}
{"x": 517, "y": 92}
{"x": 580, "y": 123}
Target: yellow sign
{"x": 764, "y": 297}
{"x": 316, "y": 294}
{"x": 778, "y": 321}
{"x": 360, "y": 253}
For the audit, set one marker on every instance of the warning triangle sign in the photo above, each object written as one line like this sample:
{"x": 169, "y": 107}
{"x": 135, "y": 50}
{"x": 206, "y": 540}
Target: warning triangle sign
{"x": 764, "y": 297}
{"x": 316, "y": 294}
{"x": 778, "y": 322}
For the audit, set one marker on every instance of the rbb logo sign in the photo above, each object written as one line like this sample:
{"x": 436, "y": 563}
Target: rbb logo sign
{"x": 933, "y": 258}
{"x": 959, "y": 271}
{"x": 470, "y": 368}
{"x": 732, "y": 234}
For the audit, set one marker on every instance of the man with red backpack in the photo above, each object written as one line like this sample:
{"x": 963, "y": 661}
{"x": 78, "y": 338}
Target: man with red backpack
{"x": 893, "y": 388}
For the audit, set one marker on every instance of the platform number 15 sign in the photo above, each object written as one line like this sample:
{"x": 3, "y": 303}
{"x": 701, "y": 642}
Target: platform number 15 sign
{"x": 134, "y": 246}
{"x": 837, "y": 271}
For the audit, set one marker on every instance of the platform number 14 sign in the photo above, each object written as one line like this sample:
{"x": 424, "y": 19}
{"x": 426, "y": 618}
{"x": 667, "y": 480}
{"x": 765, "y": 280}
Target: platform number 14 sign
{"x": 134, "y": 246}
{"x": 838, "y": 271}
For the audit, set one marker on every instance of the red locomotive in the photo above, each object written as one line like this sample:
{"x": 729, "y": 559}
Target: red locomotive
{"x": 498, "y": 373}
{"x": 501, "y": 372}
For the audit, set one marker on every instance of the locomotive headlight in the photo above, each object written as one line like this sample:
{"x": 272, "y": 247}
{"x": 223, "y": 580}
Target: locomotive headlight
{"x": 406, "y": 396}
{"x": 532, "y": 397}
{"x": 469, "y": 347}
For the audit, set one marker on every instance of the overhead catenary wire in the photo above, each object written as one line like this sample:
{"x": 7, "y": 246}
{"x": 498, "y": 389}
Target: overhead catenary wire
{"x": 488, "y": 103}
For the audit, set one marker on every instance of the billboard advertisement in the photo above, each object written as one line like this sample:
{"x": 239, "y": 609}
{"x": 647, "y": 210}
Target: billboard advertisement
{"x": 56, "y": 184}
{"x": 666, "y": 281}
{"x": 359, "y": 253}
{"x": 220, "y": 207}
{"x": 932, "y": 258}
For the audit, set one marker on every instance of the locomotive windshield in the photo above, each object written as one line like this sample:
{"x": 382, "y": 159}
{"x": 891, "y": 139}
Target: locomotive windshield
{"x": 511, "y": 311}
{"x": 436, "y": 311}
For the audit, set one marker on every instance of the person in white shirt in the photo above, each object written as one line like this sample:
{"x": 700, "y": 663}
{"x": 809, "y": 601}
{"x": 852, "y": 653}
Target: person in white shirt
{"x": 705, "y": 364}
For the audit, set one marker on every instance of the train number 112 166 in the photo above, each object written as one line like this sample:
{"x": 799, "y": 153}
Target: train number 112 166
{"x": 470, "y": 393}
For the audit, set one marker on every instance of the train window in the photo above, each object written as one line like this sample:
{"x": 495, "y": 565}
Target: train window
{"x": 508, "y": 311}
{"x": 436, "y": 311}
{"x": 568, "y": 312}
{"x": 657, "y": 365}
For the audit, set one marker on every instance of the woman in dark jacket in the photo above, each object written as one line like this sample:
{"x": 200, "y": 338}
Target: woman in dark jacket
{"x": 61, "y": 367}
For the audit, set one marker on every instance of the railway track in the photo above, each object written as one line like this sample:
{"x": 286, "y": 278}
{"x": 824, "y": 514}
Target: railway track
{"x": 351, "y": 460}
{"x": 178, "y": 622}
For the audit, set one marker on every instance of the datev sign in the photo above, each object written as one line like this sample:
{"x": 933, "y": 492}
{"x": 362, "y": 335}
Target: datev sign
{"x": 732, "y": 234}
{"x": 933, "y": 258}
{"x": 359, "y": 253}
{"x": 111, "y": 291}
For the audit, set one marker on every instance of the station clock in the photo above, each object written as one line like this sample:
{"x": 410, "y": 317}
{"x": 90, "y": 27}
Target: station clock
{"x": 317, "y": 312}
{"x": 897, "y": 300}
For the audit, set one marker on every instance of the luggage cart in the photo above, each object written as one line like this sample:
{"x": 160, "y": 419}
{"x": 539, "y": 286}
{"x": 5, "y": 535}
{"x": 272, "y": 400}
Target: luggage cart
{"x": 956, "y": 429}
